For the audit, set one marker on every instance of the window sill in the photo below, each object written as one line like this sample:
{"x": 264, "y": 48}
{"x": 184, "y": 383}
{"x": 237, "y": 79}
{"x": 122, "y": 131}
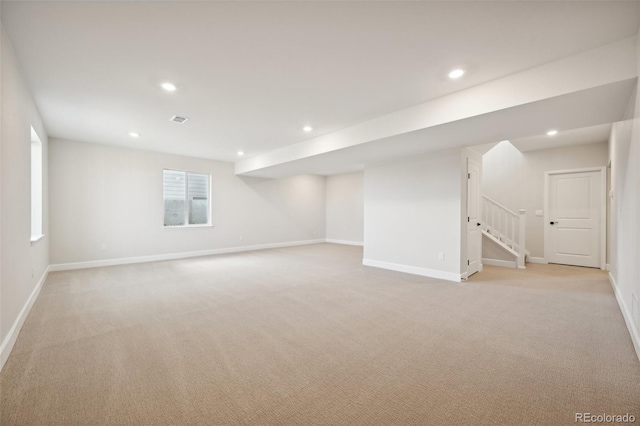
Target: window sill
{"x": 36, "y": 238}
{"x": 171, "y": 228}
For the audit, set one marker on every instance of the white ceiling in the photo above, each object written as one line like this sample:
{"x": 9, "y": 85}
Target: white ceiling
{"x": 580, "y": 136}
{"x": 251, "y": 74}
{"x": 577, "y": 110}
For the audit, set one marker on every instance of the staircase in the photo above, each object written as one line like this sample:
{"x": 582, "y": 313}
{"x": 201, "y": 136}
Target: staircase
{"x": 505, "y": 228}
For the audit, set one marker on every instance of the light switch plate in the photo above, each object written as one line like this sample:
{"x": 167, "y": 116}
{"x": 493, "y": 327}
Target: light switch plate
{"x": 539, "y": 213}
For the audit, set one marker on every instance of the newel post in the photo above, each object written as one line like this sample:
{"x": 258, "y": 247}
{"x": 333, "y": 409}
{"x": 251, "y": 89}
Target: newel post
{"x": 522, "y": 223}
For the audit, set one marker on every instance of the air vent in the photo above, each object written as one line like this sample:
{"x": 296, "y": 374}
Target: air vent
{"x": 178, "y": 119}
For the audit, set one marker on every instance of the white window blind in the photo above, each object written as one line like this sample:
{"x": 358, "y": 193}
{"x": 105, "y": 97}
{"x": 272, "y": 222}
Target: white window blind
{"x": 186, "y": 198}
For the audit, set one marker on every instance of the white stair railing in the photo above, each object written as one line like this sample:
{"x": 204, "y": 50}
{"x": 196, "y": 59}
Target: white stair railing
{"x": 505, "y": 226}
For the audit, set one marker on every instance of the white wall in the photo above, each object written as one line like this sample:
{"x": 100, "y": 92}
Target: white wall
{"x": 516, "y": 179}
{"x": 110, "y": 195}
{"x": 492, "y": 251}
{"x": 23, "y": 264}
{"x": 345, "y": 208}
{"x": 413, "y": 212}
{"x": 624, "y": 145}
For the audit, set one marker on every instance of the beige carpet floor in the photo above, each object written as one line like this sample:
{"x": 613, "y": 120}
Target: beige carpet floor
{"x": 308, "y": 336}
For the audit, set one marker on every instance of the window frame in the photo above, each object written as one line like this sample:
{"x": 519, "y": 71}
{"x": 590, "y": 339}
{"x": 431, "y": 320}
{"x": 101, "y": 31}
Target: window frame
{"x": 186, "y": 225}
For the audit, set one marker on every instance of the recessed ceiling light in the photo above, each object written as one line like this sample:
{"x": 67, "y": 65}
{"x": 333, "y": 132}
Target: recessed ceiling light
{"x": 134, "y": 135}
{"x": 240, "y": 153}
{"x": 457, "y": 73}
{"x": 307, "y": 128}
{"x": 169, "y": 87}
{"x": 552, "y": 132}
{"x": 506, "y": 140}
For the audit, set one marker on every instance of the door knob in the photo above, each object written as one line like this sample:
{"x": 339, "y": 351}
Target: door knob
{"x": 552, "y": 223}
{"x": 478, "y": 223}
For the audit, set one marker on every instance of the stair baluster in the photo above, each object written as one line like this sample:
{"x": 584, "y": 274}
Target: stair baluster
{"x": 505, "y": 227}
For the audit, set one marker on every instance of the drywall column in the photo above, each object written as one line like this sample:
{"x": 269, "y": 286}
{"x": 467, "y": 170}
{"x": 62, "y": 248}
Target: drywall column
{"x": 413, "y": 215}
{"x": 624, "y": 149}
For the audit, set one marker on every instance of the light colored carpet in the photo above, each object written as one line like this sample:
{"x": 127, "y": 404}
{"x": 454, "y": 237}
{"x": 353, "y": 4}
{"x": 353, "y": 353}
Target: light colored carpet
{"x": 308, "y": 336}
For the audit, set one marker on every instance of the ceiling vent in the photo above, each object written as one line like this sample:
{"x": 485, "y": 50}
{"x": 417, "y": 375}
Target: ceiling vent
{"x": 178, "y": 119}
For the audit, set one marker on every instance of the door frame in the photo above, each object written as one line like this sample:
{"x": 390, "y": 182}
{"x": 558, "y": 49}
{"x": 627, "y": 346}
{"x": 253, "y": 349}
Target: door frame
{"x": 478, "y": 163}
{"x": 603, "y": 210}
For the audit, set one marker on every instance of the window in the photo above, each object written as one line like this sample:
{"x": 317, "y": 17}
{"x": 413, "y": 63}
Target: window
{"x": 186, "y": 198}
{"x": 36, "y": 187}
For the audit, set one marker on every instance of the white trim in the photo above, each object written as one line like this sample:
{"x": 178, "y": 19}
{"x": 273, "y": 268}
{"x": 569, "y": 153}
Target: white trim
{"x": 12, "y": 335}
{"x": 633, "y": 331}
{"x": 173, "y": 256}
{"x": 209, "y": 223}
{"x": 182, "y": 227}
{"x": 607, "y": 267}
{"x": 537, "y": 260}
{"x": 477, "y": 161}
{"x": 36, "y": 238}
{"x": 545, "y": 219}
{"x": 433, "y": 273}
{"x": 603, "y": 209}
{"x": 346, "y": 242}
{"x": 582, "y": 170}
{"x": 501, "y": 263}
{"x": 603, "y": 219}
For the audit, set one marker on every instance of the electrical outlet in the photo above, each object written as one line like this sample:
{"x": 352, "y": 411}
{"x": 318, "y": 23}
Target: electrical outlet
{"x": 241, "y": 237}
{"x": 441, "y": 256}
{"x": 103, "y": 247}
{"x": 33, "y": 272}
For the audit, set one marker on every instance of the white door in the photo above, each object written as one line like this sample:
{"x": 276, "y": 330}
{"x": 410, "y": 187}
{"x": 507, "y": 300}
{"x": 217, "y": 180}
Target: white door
{"x": 574, "y": 218}
{"x": 474, "y": 231}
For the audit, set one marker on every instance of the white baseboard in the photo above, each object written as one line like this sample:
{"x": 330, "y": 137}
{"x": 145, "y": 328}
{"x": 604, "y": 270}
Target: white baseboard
{"x": 626, "y": 314}
{"x": 433, "y": 273}
{"x": 173, "y": 256}
{"x": 542, "y": 260}
{"x": 501, "y": 263}
{"x": 607, "y": 267}
{"x": 346, "y": 242}
{"x": 12, "y": 335}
